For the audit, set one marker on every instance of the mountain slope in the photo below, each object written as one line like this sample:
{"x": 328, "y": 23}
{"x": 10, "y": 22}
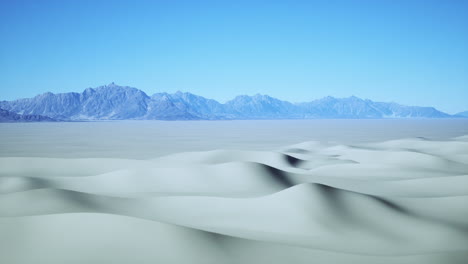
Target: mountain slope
{"x": 330, "y": 107}
{"x": 114, "y": 102}
{"x": 7, "y": 116}
{"x": 261, "y": 107}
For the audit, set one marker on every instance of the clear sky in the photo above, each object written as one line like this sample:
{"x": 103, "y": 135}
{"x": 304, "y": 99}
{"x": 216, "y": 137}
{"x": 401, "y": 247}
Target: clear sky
{"x": 409, "y": 51}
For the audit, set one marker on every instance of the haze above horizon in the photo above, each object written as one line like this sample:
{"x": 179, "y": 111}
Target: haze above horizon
{"x": 410, "y": 52}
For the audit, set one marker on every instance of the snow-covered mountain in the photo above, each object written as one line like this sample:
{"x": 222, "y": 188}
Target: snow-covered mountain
{"x": 114, "y": 102}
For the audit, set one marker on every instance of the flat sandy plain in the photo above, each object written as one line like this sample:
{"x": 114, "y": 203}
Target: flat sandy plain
{"x": 291, "y": 191}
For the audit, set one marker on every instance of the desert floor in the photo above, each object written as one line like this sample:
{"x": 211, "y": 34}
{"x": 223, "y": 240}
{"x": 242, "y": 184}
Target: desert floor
{"x": 288, "y": 191}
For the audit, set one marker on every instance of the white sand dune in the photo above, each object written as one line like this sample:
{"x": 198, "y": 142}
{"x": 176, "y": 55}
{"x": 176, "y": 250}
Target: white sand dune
{"x": 397, "y": 201}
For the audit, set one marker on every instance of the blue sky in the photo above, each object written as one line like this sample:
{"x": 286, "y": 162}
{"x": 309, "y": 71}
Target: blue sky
{"x": 412, "y": 52}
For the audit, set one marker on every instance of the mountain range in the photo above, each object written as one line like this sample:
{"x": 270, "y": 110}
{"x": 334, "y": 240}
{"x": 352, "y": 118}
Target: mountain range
{"x": 114, "y": 102}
